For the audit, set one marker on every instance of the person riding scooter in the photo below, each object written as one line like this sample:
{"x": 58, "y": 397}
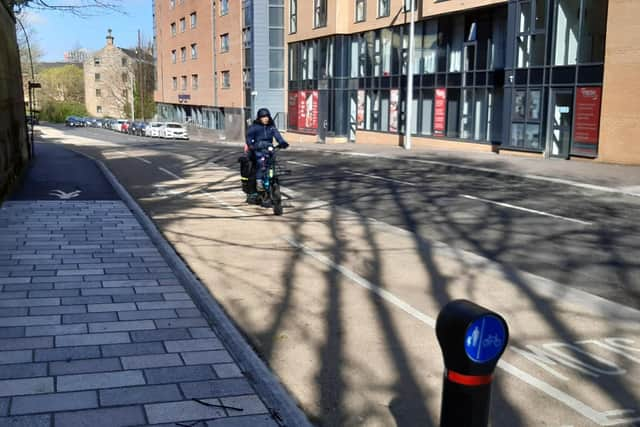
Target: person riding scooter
{"x": 259, "y": 139}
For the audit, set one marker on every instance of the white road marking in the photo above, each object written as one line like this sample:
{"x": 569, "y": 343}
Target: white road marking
{"x": 381, "y": 178}
{"x": 604, "y": 418}
{"x": 307, "y": 165}
{"x": 65, "y": 196}
{"x": 168, "y": 172}
{"x": 223, "y": 203}
{"x": 143, "y": 160}
{"x": 507, "y": 205}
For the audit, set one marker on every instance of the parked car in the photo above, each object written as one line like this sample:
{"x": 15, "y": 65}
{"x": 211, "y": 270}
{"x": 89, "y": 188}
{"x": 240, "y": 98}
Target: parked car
{"x": 117, "y": 125}
{"x": 153, "y": 129}
{"x": 124, "y": 127}
{"x": 73, "y": 121}
{"x": 137, "y": 128}
{"x": 174, "y": 130}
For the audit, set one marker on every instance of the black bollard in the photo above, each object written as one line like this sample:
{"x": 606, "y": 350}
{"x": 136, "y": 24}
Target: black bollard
{"x": 472, "y": 340}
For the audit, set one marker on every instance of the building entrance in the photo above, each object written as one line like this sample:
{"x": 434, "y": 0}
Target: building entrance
{"x": 560, "y": 119}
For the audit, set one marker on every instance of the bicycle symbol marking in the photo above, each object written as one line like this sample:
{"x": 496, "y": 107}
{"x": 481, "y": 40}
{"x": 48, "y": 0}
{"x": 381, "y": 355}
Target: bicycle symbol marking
{"x": 492, "y": 340}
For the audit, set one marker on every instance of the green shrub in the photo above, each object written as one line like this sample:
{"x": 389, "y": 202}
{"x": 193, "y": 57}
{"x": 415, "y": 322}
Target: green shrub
{"x": 57, "y": 112}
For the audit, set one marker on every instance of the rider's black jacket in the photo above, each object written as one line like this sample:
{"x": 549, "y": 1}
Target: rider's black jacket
{"x": 260, "y": 137}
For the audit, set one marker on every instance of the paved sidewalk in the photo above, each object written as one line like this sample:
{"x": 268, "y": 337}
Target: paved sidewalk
{"x": 98, "y": 329}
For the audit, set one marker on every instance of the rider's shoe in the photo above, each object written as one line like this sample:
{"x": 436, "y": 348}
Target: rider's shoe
{"x": 252, "y": 199}
{"x": 267, "y": 203}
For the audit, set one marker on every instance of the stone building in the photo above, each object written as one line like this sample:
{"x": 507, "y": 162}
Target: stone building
{"x": 109, "y": 76}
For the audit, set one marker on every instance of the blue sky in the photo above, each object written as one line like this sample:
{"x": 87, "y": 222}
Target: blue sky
{"x": 57, "y": 32}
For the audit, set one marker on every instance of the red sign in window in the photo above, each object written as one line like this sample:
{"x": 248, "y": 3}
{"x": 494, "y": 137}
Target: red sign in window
{"x": 440, "y": 112}
{"x": 587, "y": 121}
{"x": 293, "y": 110}
{"x": 308, "y": 111}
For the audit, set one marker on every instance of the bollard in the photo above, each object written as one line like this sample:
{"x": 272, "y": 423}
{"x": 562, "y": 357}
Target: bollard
{"x": 472, "y": 339}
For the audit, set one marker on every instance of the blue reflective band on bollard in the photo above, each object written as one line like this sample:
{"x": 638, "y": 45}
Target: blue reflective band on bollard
{"x": 485, "y": 339}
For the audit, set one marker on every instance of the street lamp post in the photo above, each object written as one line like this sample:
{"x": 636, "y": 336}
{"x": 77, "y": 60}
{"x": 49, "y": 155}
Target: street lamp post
{"x": 409, "y": 116}
{"x": 31, "y": 85}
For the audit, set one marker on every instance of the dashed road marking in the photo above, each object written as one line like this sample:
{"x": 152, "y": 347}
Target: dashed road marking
{"x": 381, "y": 178}
{"x": 307, "y": 165}
{"x": 143, "y": 160}
{"x": 507, "y": 205}
{"x": 168, "y": 172}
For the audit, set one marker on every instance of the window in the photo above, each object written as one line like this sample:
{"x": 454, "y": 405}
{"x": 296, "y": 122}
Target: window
{"x": 173, "y": 56}
{"x": 194, "y": 81}
{"x": 361, "y": 10}
{"x": 125, "y": 77}
{"x": 276, "y": 79}
{"x": 384, "y": 8}
{"x": 224, "y": 43}
{"x": 172, "y": 4}
{"x": 175, "y": 83}
{"x": 531, "y": 33}
{"x": 99, "y": 109}
{"x": 224, "y": 7}
{"x": 96, "y": 61}
{"x": 124, "y": 62}
{"x": 183, "y": 54}
{"x": 194, "y": 51}
{"x": 97, "y": 77}
{"x": 125, "y": 93}
{"x": 173, "y": 29}
{"x": 293, "y": 16}
{"x": 276, "y": 37}
{"x": 579, "y": 31}
{"x": 194, "y": 20}
{"x": 183, "y": 25}
{"x": 98, "y": 93}
{"x": 183, "y": 82}
{"x": 226, "y": 80}
{"x": 319, "y": 13}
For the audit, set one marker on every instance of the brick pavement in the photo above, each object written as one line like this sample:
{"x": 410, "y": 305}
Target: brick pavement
{"x": 96, "y": 330}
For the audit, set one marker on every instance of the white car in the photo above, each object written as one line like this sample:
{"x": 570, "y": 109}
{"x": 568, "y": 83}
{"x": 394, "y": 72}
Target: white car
{"x": 117, "y": 125}
{"x": 174, "y": 130}
{"x": 154, "y": 129}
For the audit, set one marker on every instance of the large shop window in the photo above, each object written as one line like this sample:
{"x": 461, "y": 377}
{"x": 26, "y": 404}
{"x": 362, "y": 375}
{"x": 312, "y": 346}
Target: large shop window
{"x": 580, "y": 31}
{"x": 531, "y": 36}
{"x": 526, "y": 115}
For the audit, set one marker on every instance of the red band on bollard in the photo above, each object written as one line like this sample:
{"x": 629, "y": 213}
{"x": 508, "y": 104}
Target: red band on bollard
{"x": 470, "y": 380}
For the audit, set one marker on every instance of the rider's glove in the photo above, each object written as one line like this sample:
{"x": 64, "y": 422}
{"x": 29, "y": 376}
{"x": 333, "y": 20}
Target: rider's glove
{"x": 270, "y": 148}
{"x": 284, "y": 145}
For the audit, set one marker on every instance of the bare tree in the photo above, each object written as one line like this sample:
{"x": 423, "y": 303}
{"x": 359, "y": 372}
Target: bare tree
{"x": 77, "y": 7}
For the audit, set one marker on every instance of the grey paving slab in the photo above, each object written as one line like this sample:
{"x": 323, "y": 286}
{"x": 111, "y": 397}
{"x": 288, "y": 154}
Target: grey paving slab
{"x": 63, "y": 309}
{"x": 94, "y": 299}
{"x": 206, "y": 357}
{"x": 107, "y": 291}
{"x": 54, "y": 293}
{"x": 27, "y": 421}
{"x": 13, "y": 295}
{"x": 264, "y": 420}
{"x": 85, "y": 366}
{"x": 29, "y": 302}
{"x": 204, "y": 332}
{"x": 31, "y": 320}
{"x": 99, "y": 380}
{"x": 15, "y": 356}
{"x": 227, "y": 370}
{"x": 90, "y": 317}
{"x": 28, "y": 287}
{"x": 38, "y": 331}
{"x": 129, "y": 283}
{"x": 14, "y": 280}
{"x": 181, "y": 323}
{"x": 138, "y": 298}
{"x": 12, "y": 332}
{"x": 160, "y": 289}
{"x": 198, "y": 344}
{"x": 139, "y": 395}
{"x": 147, "y": 314}
{"x": 151, "y": 361}
{"x": 188, "y": 312}
{"x": 250, "y": 405}
{"x": 172, "y": 412}
{"x": 134, "y": 325}
{"x": 55, "y": 402}
{"x": 216, "y": 388}
{"x": 109, "y": 417}
{"x": 26, "y": 386}
{"x": 25, "y": 343}
{"x": 165, "y": 304}
{"x": 159, "y": 335}
{"x": 100, "y": 308}
{"x": 92, "y": 339}
{"x": 179, "y": 374}
{"x": 23, "y": 370}
{"x": 77, "y": 285}
{"x": 4, "y": 407}
{"x": 132, "y": 349}
{"x": 67, "y": 353}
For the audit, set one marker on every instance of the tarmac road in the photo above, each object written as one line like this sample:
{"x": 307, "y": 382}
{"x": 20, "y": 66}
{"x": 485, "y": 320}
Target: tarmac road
{"x": 341, "y": 293}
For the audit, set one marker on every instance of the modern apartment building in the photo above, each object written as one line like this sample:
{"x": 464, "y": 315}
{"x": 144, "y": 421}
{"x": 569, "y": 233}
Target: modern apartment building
{"x": 217, "y": 61}
{"x": 547, "y": 78}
